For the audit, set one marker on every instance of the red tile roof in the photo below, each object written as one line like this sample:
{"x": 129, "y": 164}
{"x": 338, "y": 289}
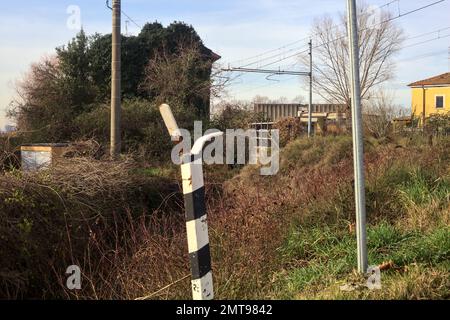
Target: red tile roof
{"x": 438, "y": 80}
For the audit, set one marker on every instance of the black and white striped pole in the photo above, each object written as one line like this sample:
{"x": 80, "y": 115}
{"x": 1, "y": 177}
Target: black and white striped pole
{"x": 196, "y": 217}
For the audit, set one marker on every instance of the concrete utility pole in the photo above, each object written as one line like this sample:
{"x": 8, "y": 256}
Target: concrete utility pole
{"x": 115, "y": 80}
{"x": 358, "y": 145}
{"x": 310, "y": 89}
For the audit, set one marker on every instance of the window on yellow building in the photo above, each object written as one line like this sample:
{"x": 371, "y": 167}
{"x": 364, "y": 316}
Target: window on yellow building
{"x": 439, "y": 102}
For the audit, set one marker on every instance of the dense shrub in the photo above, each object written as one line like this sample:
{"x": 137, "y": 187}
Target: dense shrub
{"x": 66, "y": 96}
{"x": 143, "y": 129}
{"x": 10, "y": 151}
{"x": 290, "y": 130}
{"x": 439, "y": 124}
{"x": 55, "y": 218}
{"x": 235, "y": 116}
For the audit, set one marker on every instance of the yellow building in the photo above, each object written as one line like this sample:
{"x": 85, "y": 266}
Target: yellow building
{"x": 431, "y": 96}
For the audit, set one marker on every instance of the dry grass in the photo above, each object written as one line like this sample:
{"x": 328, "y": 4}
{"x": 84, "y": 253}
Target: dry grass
{"x": 254, "y": 216}
{"x": 418, "y": 282}
{"x": 9, "y": 152}
{"x": 285, "y": 236}
{"x": 59, "y": 217}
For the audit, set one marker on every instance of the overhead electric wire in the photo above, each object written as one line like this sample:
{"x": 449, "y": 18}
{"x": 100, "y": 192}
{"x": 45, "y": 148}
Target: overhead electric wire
{"x": 405, "y": 47}
{"x": 273, "y": 56}
{"x": 400, "y": 15}
{"x": 124, "y": 13}
{"x": 426, "y": 41}
{"x": 428, "y": 33}
{"x": 264, "y": 86}
{"x": 283, "y": 67}
{"x": 294, "y": 43}
{"x": 131, "y": 20}
{"x": 401, "y": 60}
{"x": 426, "y": 55}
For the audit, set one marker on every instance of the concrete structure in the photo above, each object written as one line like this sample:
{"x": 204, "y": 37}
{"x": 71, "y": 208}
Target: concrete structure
{"x": 276, "y": 111}
{"x": 430, "y": 97}
{"x": 323, "y": 116}
{"x": 40, "y": 156}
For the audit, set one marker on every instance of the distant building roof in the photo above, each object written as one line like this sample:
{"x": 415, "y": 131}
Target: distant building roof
{"x": 209, "y": 54}
{"x": 443, "y": 79}
{"x": 215, "y": 56}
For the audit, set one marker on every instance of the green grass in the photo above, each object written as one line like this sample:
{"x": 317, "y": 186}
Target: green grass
{"x": 162, "y": 172}
{"x": 326, "y": 257}
{"x": 421, "y": 188}
{"x": 408, "y": 210}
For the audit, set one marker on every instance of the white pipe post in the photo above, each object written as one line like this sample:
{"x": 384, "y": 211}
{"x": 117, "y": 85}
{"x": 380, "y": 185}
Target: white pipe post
{"x": 358, "y": 145}
{"x": 195, "y": 208}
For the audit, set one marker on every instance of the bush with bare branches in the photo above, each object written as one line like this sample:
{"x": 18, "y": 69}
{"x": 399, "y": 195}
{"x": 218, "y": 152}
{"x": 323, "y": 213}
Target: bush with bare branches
{"x": 379, "y": 112}
{"x": 51, "y": 219}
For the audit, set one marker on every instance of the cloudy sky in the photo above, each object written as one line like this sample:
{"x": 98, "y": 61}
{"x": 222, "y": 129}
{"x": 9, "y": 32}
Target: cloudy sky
{"x": 235, "y": 29}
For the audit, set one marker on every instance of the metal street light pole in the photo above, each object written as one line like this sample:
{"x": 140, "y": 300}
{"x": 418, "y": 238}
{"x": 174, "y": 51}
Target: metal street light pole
{"x": 358, "y": 145}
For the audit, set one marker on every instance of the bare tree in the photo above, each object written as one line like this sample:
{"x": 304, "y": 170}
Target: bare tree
{"x": 187, "y": 78}
{"x": 261, "y": 99}
{"x": 264, "y": 99}
{"x": 379, "y": 111}
{"x": 379, "y": 40}
{"x": 298, "y": 99}
{"x": 41, "y": 102}
{"x": 220, "y": 105}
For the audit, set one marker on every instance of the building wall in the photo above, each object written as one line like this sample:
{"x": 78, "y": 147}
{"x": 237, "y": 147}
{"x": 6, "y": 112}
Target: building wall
{"x": 430, "y": 100}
